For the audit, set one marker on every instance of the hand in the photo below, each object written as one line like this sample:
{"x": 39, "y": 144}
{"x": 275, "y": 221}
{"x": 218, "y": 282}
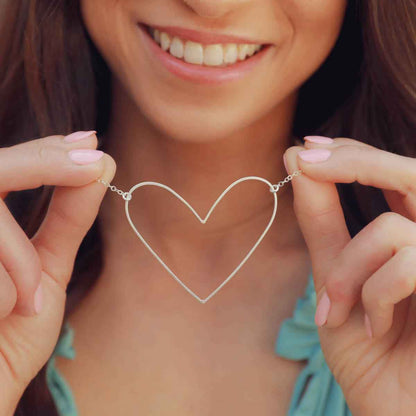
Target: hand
{"x": 373, "y": 273}
{"x": 27, "y": 338}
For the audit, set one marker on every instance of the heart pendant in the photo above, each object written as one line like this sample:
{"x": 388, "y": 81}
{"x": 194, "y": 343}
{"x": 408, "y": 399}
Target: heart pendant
{"x": 128, "y": 196}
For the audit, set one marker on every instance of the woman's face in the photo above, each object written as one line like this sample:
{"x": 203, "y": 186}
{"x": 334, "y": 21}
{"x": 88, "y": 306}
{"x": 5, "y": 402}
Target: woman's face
{"x": 301, "y": 34}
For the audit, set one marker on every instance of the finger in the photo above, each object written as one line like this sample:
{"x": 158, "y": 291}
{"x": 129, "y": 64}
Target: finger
{"x": 20, "y": 260}
{"x": 405, "y": 206}
{"x": 311, "y": 142}
{"x": 320, "y": 216}
{"x": 367, "y": 252}
{"x": 44, "y": 161}
{"x": 8, "y": 293}
{"x": 50, "y": 162}
{"x": 367, "y": 165}
{"x": 71, "y": 212}
{"x": 402, "y": 204}
{"x": 391, "y": 283}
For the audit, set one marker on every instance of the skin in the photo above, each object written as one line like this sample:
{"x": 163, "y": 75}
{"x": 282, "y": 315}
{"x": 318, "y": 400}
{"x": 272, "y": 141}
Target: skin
{"x": 209, "y": 142}
{"x": 372, "y": 273}
{"x": 167, "y": 332}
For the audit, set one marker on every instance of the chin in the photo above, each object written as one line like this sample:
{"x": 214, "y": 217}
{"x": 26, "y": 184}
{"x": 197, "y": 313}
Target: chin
{"x": 191, "y": 125}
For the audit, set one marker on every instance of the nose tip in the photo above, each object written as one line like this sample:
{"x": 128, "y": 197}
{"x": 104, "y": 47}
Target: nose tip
{"x": 212, "y": 8}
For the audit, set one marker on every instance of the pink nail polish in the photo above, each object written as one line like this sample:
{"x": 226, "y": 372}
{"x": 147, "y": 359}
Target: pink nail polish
{"x": 314, "y": 155}
{"x": 368, "y": 326}
{"x": 38, "y": 300}
{"x": 78, "y": 135}
{"x": 322, "y": 310}
{"x": 85, "y": 156}
{"x": 319, "y": 139}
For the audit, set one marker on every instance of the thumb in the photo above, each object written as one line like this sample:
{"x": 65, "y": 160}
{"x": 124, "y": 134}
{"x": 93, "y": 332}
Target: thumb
{"x": 71, "y": 213}
{"x": 319, "y": 213}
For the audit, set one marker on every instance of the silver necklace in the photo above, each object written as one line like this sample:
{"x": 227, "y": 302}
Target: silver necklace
{"x": 127, "y": 196}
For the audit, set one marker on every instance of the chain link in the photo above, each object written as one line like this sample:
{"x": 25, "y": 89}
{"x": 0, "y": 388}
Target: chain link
{"x": 125, "y": 195}
{"x": 275, "y": 188}
{"x": 288, "y": 178}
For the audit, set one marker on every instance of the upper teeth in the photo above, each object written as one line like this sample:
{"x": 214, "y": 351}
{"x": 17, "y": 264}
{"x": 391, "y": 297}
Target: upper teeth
{"x": 197, "y": 53}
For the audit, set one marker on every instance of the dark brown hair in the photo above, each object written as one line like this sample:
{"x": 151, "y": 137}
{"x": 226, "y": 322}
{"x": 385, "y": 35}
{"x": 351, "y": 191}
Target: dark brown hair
{"x": 54, "y": 81}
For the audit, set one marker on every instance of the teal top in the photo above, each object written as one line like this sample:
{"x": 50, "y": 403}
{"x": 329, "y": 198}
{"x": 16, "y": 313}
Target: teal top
{"x": 316, "y": 392}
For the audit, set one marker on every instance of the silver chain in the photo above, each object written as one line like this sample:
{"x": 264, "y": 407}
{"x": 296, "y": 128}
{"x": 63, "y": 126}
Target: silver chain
{"x": 125, "y": 195}
{"x": 288, "y": 178}
{"x": 275, "y": 188}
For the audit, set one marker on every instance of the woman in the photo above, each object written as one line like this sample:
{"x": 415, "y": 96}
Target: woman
{"x": 147, "y": 84}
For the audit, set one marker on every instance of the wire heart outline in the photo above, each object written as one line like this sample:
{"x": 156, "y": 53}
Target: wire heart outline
{"x": 203, "y": 221}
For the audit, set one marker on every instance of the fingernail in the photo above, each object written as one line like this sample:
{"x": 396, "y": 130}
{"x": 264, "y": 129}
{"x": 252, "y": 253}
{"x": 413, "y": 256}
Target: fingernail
{"x": 78, "y": 135}
{"x": 322, "y": 310}
{"x": 319, "y": 139}
{"x": 314, "y": 155}
{"x": 38, "y": 301}
{"x": 368, "y": 326}
{"x": 85, "y": 156}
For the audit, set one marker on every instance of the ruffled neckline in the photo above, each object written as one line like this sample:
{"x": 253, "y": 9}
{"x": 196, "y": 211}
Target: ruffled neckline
{"x": 60, "y": 390}
{"x": 316, "y": 391}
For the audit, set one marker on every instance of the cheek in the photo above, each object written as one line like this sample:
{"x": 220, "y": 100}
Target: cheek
{"x": 309, "y": 30}
{"x": 112, "y": 30}
{"x": 106, "y": 22}
{"x": 316, "y": 23}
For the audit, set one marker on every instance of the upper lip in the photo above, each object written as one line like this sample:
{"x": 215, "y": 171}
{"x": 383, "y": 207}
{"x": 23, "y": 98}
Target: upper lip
{"x": 204, "y": 37}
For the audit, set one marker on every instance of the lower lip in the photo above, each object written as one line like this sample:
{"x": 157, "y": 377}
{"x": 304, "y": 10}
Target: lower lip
{"x": 200, "y": 73}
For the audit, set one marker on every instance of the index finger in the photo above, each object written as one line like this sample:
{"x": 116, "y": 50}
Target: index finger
{"x": 43, "y": 161}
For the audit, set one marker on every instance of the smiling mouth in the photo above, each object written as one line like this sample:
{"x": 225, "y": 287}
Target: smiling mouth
{"x": 211, "y": 55}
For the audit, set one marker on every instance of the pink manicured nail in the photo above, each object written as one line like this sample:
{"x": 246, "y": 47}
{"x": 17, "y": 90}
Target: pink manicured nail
{"x": 314, "y": 155}
{"x": 85, "y": 156}
{"x": 38, "y": 301}
{"x": 319, "y": 139}
{"x": 368, "y": 326}
{"x": 322, "y": 310}
{"x": 78, "y": 135}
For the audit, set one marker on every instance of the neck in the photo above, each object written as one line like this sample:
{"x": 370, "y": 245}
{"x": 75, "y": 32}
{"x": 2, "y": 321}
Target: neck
{"x": 201, "y": 254}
